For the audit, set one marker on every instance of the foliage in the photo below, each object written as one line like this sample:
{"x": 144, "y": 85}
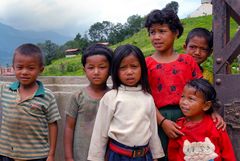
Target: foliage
{"x": 51, "y": 51}
{"x": 108, "y": 32}
{"x": 100, "y": 31}
{"x": 141, "y": 40}
{"x": 65, "y": 67}
{"x": 173, "y": 5}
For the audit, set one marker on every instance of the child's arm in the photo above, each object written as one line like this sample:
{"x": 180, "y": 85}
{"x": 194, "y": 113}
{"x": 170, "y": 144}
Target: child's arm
{"x": 226, "y": 149}
{"x": 53, "y": 130}
{"x": 220, "y": 123}
{"x": 99, "y": 139}
{"x": 68, "y": 138}
{"x": 155, "y": 142}
{"x": 170, "y": 128}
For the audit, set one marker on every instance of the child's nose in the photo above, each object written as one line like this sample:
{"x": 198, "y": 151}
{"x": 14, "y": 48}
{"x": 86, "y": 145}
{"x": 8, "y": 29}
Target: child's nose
{"x": 96, "y": 70}
{"x": 129, "y": 71}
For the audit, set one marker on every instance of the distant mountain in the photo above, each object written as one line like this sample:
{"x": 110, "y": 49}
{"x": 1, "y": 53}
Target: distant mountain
{"x": 10, "y": 38}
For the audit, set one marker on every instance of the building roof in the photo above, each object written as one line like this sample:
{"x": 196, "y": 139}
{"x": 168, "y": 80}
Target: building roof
{"x": 72, "y": 50}
{"x": 204, "y": 10}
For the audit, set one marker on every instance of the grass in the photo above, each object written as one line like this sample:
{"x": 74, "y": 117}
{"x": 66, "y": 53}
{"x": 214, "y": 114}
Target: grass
{"x": 72, "y": 66}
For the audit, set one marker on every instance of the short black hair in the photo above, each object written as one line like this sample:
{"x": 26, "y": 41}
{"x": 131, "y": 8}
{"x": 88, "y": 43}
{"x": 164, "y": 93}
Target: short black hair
{"x": 201, "y": 32}
{"x": 206, "y": 88}
{"x": 97, "y": 49}
{"x": 120, "y": 53}
{"x": 164, "y": 16}
{"x": 30, "y": 50}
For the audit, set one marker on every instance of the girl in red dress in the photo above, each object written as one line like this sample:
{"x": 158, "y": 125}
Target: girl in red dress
{"x": 201, "y": 139}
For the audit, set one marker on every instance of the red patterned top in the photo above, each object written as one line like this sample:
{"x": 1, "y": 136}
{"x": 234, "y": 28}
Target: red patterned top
{"x": 167, "y": 80}
{"x": 202, "y": 141}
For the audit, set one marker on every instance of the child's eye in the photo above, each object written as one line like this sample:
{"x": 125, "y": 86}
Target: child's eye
{"x": 193, "y": 47}
{"x": 162, "y": 31}
{"x": 19, "y": 67}
{"x": 192, "y": 98}
{"x": 152, "y": 32}
{"x": 89, "y": 68}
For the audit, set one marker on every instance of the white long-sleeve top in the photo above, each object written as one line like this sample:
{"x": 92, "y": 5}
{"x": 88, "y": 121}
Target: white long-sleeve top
{"x": 127, "y": 116}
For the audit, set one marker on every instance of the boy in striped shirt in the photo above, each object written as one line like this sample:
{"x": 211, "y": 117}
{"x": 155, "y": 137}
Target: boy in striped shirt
{"x": 29, "y": 111}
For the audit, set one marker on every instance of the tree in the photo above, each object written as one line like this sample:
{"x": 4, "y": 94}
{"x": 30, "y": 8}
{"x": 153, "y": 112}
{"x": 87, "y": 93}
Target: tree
{"x": 100, "y": 31}
{"x": 135, "y": 23}
{"x": 117, "y": 34}
{"x": 51, "y": 51}
{"x": 173, "y": 6}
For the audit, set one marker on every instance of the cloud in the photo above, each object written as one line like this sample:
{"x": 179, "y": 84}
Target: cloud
{"x": 73, "y": 16}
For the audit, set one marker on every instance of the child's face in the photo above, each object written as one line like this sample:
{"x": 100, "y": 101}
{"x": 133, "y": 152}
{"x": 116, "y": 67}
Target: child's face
{"x": 97, "y": 69}
{"x": 130, "y": 71}
{"x": 162, "y": 38}
{"x": 27, "y": 69}
{"x": 193, "y": 104}
{"x": 197, "y": 47}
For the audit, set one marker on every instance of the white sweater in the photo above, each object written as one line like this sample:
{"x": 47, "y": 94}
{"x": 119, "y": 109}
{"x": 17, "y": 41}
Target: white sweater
{"x": 127, "y": 116}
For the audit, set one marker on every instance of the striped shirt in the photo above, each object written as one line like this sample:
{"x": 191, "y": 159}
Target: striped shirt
{"x": 24, "y": 126}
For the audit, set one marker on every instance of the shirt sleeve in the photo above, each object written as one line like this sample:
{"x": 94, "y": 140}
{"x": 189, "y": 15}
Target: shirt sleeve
{"x": 74, "y": 104}
{"x": 155, "y": 143}
{"x": 52, "y": 111}
{"x": 99, "y": 138}
{"x": 227, "y": 152}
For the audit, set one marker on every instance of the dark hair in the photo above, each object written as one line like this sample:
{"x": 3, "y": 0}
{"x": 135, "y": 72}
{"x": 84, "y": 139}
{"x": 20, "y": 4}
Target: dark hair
{"x": 208, "y": 91}
{"x": 97, "y": 49}
{"x": 120, "y": 53}
{"x": 164, "y": 16}
{"x": 30, "y": 50}
{"x": 201, "y": 32}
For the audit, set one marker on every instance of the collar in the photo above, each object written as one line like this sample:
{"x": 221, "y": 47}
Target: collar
{"x": 127, "y": 88}
{"x": 40, "y": 91}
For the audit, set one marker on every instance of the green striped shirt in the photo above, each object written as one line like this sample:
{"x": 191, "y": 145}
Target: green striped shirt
{"x": 24, "y": 126}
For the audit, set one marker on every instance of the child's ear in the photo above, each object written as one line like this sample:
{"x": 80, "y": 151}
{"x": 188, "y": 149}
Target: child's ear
{"x": 208, "y": 105}
{"x": 41, "y": 69}
{"x": 84, "y": 70}
{"x": 210, "y": 52}
{"x": 184, "y": 46}
{"x": 176, "y": 34}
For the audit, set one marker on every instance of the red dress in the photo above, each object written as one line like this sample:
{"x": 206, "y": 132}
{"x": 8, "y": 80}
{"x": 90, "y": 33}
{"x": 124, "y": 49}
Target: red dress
{"x": 201, "y": 140}
{"x": 167, "y": 80}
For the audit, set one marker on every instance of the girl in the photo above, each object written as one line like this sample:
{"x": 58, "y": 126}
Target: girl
{"x": 202, "y": 141}
{"x": 168, "y": 71}
{"x": 126, "y": 119}
{"x": 198, "y": 44}
{"x": 81, "y": 113}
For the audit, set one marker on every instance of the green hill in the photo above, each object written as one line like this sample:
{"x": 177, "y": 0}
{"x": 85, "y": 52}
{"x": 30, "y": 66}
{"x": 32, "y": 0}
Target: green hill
{"x": 72, "y": 66}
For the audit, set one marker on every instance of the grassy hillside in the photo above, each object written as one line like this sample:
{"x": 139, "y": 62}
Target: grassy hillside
{"x": 72, "y": 65}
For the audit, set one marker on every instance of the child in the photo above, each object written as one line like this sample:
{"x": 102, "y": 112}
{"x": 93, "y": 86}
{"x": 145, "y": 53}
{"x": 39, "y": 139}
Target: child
{"x": 168, "y": 72}
{"x": 202, "y": 141}
{"x": 126, "y": 119}
{"x": 29, "y": 111}
{"x": 80, "y": 114}
{"x": 198, "y": 44}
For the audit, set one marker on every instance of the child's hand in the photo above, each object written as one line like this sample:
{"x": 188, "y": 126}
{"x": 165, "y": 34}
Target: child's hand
{"x": 171, "y": 129}
{"x": 50, "y": 158}
{"x": 220, "y": 123}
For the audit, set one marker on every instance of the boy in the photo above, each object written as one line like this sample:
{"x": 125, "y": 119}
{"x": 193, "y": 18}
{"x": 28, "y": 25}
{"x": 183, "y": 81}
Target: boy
{"x": 29, "y": 111}
{"x": 83, "y": 105}
{"x": 198, "y": 44}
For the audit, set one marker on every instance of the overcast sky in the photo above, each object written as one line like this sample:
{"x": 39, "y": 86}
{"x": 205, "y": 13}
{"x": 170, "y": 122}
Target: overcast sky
{"x": 69, "y": 17}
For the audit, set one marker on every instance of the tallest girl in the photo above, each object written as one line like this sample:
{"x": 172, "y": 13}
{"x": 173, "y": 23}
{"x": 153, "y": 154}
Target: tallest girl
{"x": 168, "y": 71}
